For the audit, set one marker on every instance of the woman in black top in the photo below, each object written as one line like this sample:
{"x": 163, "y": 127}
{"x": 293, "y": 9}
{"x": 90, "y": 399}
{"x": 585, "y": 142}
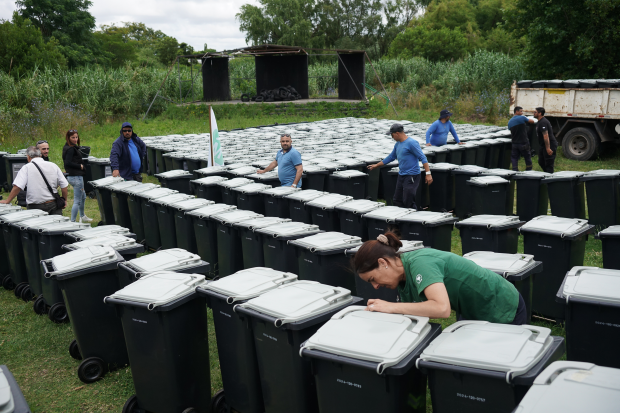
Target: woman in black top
{"x": 74, "y": 165}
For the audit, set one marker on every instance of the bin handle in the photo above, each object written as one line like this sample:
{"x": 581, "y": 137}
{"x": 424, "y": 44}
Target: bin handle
{"x": 337, "y": 297}
{"x": 543, "y": 333}
{"x": 460, "y": 324}
{"x": 421, "y": 323}
{"x": 48, "y": 273}
{"x": 559, "y": 367}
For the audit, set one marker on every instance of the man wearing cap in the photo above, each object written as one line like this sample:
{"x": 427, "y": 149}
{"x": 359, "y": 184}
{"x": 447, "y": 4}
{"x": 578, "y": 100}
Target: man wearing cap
{"x": 127, "y": 154}
{"x": 437, "y": 134}
{"x": 409, "y": 155}
{"x": 288, "y": 161}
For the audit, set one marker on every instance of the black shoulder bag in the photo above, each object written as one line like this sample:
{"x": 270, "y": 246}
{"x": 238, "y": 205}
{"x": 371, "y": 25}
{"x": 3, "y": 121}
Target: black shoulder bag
{"x": 60, "y": 202}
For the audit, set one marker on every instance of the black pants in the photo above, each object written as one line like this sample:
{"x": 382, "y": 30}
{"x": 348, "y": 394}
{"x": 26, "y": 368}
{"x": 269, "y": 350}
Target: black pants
{"x": 49, "y": 207}
{"x": 520, "y": 315}
{"x": 517, "y": 152}
{"x": 546, "y": 161}
{"x": 135, "y": 177}
{"x": 406, "y": 188}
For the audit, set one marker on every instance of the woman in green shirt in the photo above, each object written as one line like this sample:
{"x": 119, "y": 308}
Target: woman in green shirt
{"x": 431, "y": 283}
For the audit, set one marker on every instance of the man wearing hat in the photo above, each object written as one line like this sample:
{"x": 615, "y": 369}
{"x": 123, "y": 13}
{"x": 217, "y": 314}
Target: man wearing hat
{"x": 437, "y": 134}
{"x": 409, "y": 155}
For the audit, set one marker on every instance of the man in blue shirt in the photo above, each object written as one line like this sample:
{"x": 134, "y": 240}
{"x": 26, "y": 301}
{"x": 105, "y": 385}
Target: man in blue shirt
{"x": 288, "y": 161}
{"x": 518, "y": 126}
{"x": 437, "y": 134}
{"x": 127, "y": 154}
{"x": 409, "y": 155}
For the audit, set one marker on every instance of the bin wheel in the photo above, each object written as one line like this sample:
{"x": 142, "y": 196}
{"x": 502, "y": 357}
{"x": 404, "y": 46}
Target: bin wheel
{"x": 8, "y": 283}
{"x": 58, "y": 313}
{"x": 39, "y": 306}
{"x": 27, "y": 294}
{"x": 218, "y": 403}
{"x": 92, "y": 195}
{"x": 74, "y": 350}
{"x": 100, "y": 223}
{"x": 91, "y": 370}
{"x": 18, "y": 289}
{"x": 131, "y": 405}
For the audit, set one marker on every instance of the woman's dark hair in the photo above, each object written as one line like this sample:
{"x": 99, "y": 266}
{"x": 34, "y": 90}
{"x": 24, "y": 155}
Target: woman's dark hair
{"x": 367, "y": 257}
{"x": 71, "y": 133}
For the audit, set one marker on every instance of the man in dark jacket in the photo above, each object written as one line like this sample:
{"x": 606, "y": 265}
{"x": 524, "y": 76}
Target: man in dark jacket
{"x": 127, "y": 154}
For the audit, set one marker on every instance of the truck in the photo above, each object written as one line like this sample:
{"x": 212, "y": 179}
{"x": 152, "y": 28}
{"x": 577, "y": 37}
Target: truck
{"x": 581, "y": 118}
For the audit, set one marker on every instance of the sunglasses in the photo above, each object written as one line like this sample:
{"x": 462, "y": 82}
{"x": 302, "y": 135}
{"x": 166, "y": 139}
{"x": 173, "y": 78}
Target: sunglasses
{"x": 40, "y": 142}
{"x": 288, "y": 135}
{"x": 127, "y": 130}
{"x": 72, "y": 131}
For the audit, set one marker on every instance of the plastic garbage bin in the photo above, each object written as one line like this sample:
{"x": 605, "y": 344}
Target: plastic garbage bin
{"x": 566, "y": 194}
{"x": 149, "y": 214}
{"x": 205, "y": 230}
{"x": 193, "y": 161}
{"x": 387, "y": 184}
{"x": 603, "y": 195}
{"x": 275, "y": 202}
{"x": 171, "y": 338}
{"x": 493, "y": 152}
{"x": 277, "y": 252}
{"x": 383, "y": 219}
{"x": 235, "y": 343}
{"x": 211, "y": 171}
{"x": 320, "y": 257}
{"x": 4, "y": 185}
{"x": 489, "y": 195}
{"x": 323, "y": 212}
{"x": 120, "y": 207}
{"x": 11, "y": 397}
{"x": 590, "y": 296}
{"x": 315, "y": 177}
{"x": 269, "y": 178}
{"x": 281, "y": 320}
{"x": 350, "y": 216}
{"x": 104, "y": 198}
{"x": 5, "y": 269}
{"x": 469, "y": 153}
{"x": 519, "y": 269}
{"x": 100, "y": 168}
{"x": 352, "y": 183}
{"x": 151, "y": 159}
{"x": 441, "y": 191}
{"x": 160, "y": 150}
{"x": 532, "y": 195}
{"x": 610, "y": 238}
{"x": 134, "y": 207}
{"x": 298, "y": 210}
{"x": 505, "y": 155}
{"x": 229, "y": 197}
{"x": 177, "y": 179}
{"x": 127, "y": 247}
{"x": 252, "y": 241}
{"x": 481, "y": 152}
{"x": 241, "y": 171}
{"x": 249, "y": 197}
{"x": 510, "y": 191}
{"x": 13, "y": 162}
{"x": 86, "y": 276}
{"x": 455, "y": 154}
{"x": 497, "y": 233}
{"x": 173, "y": 259}
{"x": 366, "y": 291}
{"x": 477, "y": 366}
{"x": 462, "y": 191}
{"x": 560, "y": 244}
{"x": 166, "y": 208}
{"x": 179, "y": 160}
{"x": 207, "y": 188}
{"x": 347, "y": 357}
{"x": 434, "y": 229}
{"x": 88, "y": 176}
{"x": 95, "y": 232}
{"x": 229, "y": 254}
{"x": 422, "y": 196}
{"x": 183, "y": 223}
{"x": 572, "y": 387}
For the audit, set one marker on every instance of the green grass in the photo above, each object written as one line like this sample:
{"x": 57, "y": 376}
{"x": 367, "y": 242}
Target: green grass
{"x": 36, "y": 350}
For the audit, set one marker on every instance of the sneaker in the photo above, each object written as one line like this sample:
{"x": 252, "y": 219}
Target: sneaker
{"x": 85, "y": 219}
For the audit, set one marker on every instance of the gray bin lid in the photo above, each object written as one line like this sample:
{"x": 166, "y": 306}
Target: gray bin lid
{"x": 388, "y": 213}
{"x": 489, "y": 221}
{"x": 250, "y": 283}
{"x": 171, "y": 199}
{"x": 95, "y": 232}
{"x": 308, "y": 168}
{"x": 573, "y": 387}
{"x": 244, "y": 170}
{"x": 235, "y": 216}
{"x": 7, "y": 403}
{"x": 564, "y": 176}
{"x": 501, "y": 263}
{"x": 305, "y": 195}
{"x": 612, "y": 231}
{"x": 289, "y": 229}
{"x": 498, "y": 347}
{"x": 45, "y": 219}
{"x": 235, "y": 182}
{"x": 190, "y": 204}
{"x": 118, "y": 242}
{"x": 231, "y": 166}
{"x": 209, "y": 210}
{"x": 177, "y": 173}
{"x": 21, "y": 216}
{"x": 160, "y": 288}
{"x": 264, "y": 176}
{"x": 9, "y": 209}
{"x": 408, "y": 246}
{"x": 487, "y": 180}
{"x": 329, "y": 201}
{"x": 531, "y": 175}
{"x": 261, "y": 222}
{"x": 253, "y": 188}
{"x": 209, "y": 180}
{"x": 212, "y": 170}
{"x": 504, "y": 173}
{"x": 156, "y": 193}
{"x": 349, "y": 174}
{"x": 350, "y": 162}
{"x": 603, "y": 173}
{"x": 376, "y": 337}
{"x": 102, "y": 161}
{"x": 332, "y": 165}
{"x": 360, "y": 206}
{"x": 592, "y": 283}
{"x": 427, "y": 217}
{"x": 442, "y": 166}
{"x": 165, "y": 260}
{"x": 327, "y": 242}
{"x": 103, "y": 182}
{"x": 280, "y": 191}
{"x": 561, "y": 227}
{"x": 121, "y": 186}
{"x": 138, "y": 189}
{"x": 85, "y": 258}
{"x": 61, "y": 227}
{"x": 299, "y": 300}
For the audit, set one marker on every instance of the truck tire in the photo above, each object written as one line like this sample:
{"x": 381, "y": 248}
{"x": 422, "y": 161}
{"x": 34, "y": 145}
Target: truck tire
{"x": 581, "y": 144}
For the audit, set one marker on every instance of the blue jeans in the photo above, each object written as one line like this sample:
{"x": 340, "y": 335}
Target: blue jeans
{"x": 79, "y": 196}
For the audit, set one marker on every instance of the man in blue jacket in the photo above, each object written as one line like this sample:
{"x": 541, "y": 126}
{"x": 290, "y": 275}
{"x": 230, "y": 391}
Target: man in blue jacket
{"x": 437, "y": 134}
{"x": 127, "y": 154}
{"x": 409, "y": 155}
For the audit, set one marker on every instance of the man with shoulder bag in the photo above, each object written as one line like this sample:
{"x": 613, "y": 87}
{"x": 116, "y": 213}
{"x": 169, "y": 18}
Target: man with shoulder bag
{"x": 42, "y": 178}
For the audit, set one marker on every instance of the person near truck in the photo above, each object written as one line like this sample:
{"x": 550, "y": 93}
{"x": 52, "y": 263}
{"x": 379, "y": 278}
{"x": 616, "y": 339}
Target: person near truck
{"x": 74, "y": 166}
{"x": 432, "y": 283}
{"x": 288, "y": 161}
{"x": 518, "y": 127}
{"x": 547, "y": 141}
{"x": 409, "y": 155}
{"x": 127, "y": 154}
{"x": 437, "y": 134}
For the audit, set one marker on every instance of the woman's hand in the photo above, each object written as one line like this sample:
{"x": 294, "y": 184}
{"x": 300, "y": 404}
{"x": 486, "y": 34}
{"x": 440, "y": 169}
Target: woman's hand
{"x": 381, "y": 306}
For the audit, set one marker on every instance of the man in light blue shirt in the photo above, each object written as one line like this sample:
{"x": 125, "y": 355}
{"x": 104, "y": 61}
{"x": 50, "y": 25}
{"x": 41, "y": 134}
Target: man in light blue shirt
{"x": 437, "y": 134}
{"x": 409, "y": 155}
{"x": 288, "y": 161}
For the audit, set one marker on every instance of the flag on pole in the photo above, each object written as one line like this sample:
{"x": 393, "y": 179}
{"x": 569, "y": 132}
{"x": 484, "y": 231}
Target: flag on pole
{"x": 217, "y": 158}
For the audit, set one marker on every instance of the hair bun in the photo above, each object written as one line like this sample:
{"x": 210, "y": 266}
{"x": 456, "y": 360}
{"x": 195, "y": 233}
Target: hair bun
{"x": 383, "y": 239}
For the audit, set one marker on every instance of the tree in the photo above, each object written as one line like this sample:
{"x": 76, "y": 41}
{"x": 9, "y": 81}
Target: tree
{"x": 433, "y": 44}
{"x": 121, "y": 50}
{"x": 166, "y": 50}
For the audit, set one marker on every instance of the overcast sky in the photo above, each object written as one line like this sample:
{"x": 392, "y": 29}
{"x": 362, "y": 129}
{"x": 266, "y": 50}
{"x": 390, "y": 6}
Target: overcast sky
{"x": 194, "y": 22}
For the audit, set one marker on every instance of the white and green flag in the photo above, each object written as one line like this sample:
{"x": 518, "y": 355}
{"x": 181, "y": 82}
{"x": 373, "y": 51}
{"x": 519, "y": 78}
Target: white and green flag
{"x": 216, "y": 147}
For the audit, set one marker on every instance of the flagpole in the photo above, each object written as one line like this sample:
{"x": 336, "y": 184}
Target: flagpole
{"x": 211, "y": 134}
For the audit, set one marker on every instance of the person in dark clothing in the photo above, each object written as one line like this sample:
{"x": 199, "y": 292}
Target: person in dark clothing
{"x": 547, "y": 141}
{"x": 127, "y": 154}
{"x": 518, "y": 126}
{"x": 74, "y": 166}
